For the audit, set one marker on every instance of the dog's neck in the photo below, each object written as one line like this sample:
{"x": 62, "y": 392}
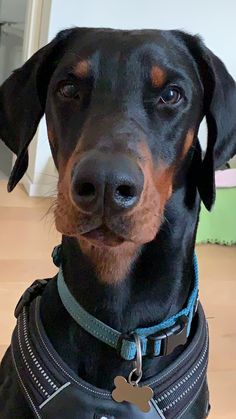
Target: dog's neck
{"x": 157, "y": 287}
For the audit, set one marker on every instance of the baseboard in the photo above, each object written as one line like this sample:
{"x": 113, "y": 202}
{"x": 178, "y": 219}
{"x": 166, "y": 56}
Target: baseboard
{"x": 39, "y": 189}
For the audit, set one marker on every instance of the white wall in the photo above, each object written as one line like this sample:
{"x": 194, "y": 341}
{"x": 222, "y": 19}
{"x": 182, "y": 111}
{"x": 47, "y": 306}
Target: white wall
{"x": 13, "y": 10}
{"x": 214, "y": 20}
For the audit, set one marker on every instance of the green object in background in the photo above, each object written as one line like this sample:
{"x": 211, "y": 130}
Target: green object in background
{"x": 219, "y": 225}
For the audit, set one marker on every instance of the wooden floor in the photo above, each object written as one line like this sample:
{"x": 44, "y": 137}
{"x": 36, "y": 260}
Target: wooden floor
{"x": 27, "y": 239}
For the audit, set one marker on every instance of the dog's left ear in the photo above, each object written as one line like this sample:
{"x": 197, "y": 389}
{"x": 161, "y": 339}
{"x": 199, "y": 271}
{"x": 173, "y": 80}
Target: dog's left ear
{"x": 219, "y": 108}
{"x": 22, "y": 102}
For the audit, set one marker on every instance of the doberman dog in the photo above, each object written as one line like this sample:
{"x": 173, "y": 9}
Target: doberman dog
{"x": 123, "y": 109}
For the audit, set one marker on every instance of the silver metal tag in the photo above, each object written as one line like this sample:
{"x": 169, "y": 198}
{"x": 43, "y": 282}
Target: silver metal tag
{"x": 132, "y": 393}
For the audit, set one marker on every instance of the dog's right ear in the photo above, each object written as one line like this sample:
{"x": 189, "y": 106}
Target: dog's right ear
{"x": 219, "y": 108}
{"x": 22, "y": 102}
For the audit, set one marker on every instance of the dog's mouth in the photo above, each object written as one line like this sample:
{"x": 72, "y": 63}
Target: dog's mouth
{"x": 102, "y": 235}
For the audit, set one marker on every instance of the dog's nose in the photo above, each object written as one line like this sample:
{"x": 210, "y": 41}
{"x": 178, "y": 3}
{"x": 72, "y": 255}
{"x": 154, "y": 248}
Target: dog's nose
{"x": 103, "y": 181}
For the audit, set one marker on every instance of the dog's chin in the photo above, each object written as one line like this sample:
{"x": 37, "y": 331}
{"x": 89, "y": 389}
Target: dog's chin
{"x": 111, "y": 255}
{"x": 103, "y": 236}
{"x": 111, "y": 250}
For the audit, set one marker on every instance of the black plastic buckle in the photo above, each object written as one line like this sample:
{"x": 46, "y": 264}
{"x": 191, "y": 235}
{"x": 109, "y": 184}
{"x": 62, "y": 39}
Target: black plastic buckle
{"x": 169, "y": 338}
{"x": 33, "y": 291}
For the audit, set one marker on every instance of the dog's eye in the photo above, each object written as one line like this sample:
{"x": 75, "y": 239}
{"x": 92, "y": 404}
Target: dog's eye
{"x": 171, "y": 95}
{"x": 69, "y": 90}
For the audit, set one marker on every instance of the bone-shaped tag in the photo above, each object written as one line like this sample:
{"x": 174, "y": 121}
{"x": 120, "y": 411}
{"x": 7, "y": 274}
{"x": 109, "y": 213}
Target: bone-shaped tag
{"x": 140, "y": 396}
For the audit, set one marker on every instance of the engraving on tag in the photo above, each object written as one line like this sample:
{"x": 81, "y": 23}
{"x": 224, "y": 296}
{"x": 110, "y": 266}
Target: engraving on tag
{"x": 140, "y": 396}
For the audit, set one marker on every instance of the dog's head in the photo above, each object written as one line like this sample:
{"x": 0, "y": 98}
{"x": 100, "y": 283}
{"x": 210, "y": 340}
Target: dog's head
{"x": 123, "y": 109}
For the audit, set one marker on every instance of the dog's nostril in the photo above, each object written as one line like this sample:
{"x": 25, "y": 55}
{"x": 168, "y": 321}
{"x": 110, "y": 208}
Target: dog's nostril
{"x": 125, "y": 192}
{"x": 86, "y": 190}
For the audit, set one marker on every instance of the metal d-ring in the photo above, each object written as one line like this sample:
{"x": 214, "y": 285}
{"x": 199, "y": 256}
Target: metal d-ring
{"x": 138, "y": 362}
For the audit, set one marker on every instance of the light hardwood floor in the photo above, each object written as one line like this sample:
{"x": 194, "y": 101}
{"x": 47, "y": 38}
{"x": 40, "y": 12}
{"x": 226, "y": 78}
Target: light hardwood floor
{"x": 27, "y": 237}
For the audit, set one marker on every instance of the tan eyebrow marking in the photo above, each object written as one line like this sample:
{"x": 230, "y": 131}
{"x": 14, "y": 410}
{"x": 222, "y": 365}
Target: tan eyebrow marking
{"x": 158, "y": 76}
{"x": 82, "y": 68}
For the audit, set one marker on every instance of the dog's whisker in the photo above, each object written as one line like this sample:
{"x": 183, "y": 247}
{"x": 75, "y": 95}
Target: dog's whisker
{"x": 50, "y": 209}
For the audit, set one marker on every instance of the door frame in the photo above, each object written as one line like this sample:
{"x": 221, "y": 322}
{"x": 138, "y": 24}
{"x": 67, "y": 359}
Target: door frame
{"x": 35, "y": 36}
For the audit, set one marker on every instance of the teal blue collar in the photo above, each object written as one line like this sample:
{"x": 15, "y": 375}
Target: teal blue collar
{"x": 156, "y": 340}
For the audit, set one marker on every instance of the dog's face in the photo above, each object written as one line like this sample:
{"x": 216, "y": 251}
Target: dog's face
{"x": 123, "y": 110}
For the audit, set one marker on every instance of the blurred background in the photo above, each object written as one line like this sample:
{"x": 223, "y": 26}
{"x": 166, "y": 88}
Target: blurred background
{"x": 28, "y": 235}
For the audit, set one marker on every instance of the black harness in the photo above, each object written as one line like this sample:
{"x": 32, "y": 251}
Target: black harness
{"x": 53, "y": 390}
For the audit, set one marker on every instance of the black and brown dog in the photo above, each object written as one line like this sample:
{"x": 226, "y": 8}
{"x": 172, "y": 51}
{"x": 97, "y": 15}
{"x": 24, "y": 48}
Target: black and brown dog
{"x": 123, "y": 110}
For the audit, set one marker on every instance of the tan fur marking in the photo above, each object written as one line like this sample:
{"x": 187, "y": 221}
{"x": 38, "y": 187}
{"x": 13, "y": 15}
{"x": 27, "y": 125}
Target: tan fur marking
{"x": 158, "y": 76}
{"x": 112, "y": 263}
{"x": 188, "y": 142}
{"x": 51, "y": 135}
{"x": 82, "y": 69}
{"x": 164, "y": 179}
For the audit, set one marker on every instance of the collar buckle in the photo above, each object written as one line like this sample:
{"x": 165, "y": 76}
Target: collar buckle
{"x": 169, "y": 338}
